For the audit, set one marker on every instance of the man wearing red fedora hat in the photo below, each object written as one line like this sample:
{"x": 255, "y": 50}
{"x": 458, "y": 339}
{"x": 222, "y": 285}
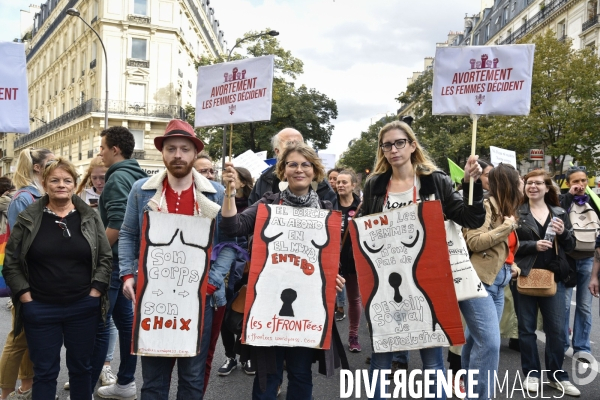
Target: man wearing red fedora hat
{"x": 180, "y": 189}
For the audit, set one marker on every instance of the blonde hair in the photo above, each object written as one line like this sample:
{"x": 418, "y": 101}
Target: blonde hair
{"x": 61, "y": 163}
{"x": 24, "y": 174}
{"x": 420, "y": 159}
{"x": 86, "y": 180}
{"x": 307, "y": 152}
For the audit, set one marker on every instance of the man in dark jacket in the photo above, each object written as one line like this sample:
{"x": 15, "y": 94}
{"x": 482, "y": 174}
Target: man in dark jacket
{"x": 268, "y": 182}
{"x": 116, "y": 149}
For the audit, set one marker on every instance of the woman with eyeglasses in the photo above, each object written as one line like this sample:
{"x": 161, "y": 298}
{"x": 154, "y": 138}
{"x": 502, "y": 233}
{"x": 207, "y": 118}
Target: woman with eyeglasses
{"x": 58, "y": 265}
{"x": 298, "y": 166}
{"x": 539, "y": 213}
{"x": 15, "y": 356}
{"x": 405, "y": 174}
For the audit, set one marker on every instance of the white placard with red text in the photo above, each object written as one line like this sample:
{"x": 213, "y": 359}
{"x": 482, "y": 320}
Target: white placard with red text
{"x": 483, "y": 80}
{"x": 235, "y": 92}
{"x": 14, "y": 101}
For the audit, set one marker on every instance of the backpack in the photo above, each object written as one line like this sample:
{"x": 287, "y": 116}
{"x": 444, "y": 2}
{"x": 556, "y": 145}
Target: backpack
{"x": 586, "y": 226}
{"x": 4, "y": 289}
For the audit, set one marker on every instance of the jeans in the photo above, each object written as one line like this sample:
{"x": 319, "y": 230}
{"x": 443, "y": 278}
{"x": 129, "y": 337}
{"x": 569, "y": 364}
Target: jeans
{"x": 482, "y": 348}
{"x": 582, "y": 324}
{"x": 47, "y": 326}
{"x": 432, "y": 358}
{"x": 156, "y": 371}
{"x": 121, "y": 310}
{"x": 401, "y": 356}
{"x": 340, "y": 299}
{"x": 112, "y": 341}
{"x": 298, "y": 363}
{"x": 553, "y": 314}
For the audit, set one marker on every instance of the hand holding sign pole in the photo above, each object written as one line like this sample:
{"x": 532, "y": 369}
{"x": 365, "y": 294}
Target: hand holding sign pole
{"x": 482, "y": 80}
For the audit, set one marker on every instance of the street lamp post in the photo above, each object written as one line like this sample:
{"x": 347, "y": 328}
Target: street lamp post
{"x": 269, "y": 33}
{"x": 75, "y": 13}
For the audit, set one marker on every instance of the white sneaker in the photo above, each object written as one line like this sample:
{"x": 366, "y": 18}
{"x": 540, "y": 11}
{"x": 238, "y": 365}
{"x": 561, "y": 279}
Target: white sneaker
{"x": 531, "y": 384}
{"x": 566, "y": 387}
{"x": 107, "y": 377}
{"x": 67, "y": 386}
{"x": 116, "y": 391}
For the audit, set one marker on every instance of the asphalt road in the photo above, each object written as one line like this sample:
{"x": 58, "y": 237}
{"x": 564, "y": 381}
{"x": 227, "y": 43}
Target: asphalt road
{"x": 238, "y": 385}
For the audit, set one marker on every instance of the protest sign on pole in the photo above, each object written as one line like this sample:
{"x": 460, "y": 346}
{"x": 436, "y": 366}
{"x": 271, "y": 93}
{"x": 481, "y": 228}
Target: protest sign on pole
{"x": 405, "y": 279}
{"x": 499, "y": 155}
{"x": 171, "y": 287}
{"x": 482, "y": 80}
{"x": 14, "y": 99}
{"x": 291, "y": 292}
{"x": 251, "y": 162}
{"x": 234, "y": 92}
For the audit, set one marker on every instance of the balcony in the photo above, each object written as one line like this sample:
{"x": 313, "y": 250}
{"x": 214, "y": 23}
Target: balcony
{"x": 90, "y": 154}
{"x": 590, "y": 23}
{"x": 199, "y": 20}
{"x": 562, "y": 38}
{"x": 131, "y": 62}
{"x": 534, "y": 21}
{"x": 138, "y": 154}
{"x": 93, "y": 64}
{"x": 95, "y": 19}
{"x": 139, "y": 19}
{"x": 115, "y": 107}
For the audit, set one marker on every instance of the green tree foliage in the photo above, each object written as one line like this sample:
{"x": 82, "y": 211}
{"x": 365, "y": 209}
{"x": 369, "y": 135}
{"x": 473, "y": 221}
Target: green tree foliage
{"x": 443, "y": 136}
{"x": 363, "y": 151}
{"x": 299, "y": 107}
{"x": 565, "y": 101}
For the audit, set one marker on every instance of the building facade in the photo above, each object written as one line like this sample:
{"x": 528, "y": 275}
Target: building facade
{"x": 152, "y": 47}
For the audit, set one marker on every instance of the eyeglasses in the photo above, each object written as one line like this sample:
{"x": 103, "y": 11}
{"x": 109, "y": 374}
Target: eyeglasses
{"x": 49, "y": 162}
{"x": 294, "y": 165}
{"x": 536, "y": 183}
{"x": 577, "y": 168}
{"x": 399, "y": 144}
{"x": 63, "y": 225}
{"x": 207, "y": 171}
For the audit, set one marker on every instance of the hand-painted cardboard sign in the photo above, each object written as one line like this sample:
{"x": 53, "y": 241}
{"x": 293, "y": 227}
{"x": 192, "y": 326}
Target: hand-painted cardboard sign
{"x": 405, "y": 280}
{"x": 171, "y": 287}
{"x": 291, "y": 286}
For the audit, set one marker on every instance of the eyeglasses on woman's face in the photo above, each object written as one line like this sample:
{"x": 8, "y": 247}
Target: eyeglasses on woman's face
{"x": 399, "y": 144}
{"x": 535, "y": 183}
{"x": 305, "y": 166}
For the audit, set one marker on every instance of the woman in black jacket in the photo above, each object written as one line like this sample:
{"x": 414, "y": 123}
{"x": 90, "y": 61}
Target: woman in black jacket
{"x": 539, "y": 213}
{"x": 405, "y": 174}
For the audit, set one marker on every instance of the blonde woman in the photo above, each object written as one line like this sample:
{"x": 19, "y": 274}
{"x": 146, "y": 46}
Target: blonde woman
{"x": 92, "y": 183}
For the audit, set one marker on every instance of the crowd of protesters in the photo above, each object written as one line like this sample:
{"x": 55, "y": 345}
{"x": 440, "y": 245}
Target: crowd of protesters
{"x": 71, "y": 263}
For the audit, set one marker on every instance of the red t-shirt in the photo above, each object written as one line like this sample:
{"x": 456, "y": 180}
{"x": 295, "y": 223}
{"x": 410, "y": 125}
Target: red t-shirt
{"x": 512, "y": 246}
{"x": 182, "y": 203}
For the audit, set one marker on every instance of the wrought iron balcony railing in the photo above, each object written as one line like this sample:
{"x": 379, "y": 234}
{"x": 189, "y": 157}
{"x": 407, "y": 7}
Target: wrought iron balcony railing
{"x": 148, "y": 110}
{"x": 534, "y": 21}
{"x": 589, "y": 23}
{"x": 131, "y": 62}
{"x": 140, "y": 19}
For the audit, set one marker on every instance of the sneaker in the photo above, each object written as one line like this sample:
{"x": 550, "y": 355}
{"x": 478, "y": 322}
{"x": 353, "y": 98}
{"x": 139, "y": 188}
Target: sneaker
{"x": 18, "y": 395}
{"x": 459, "y": 390}
{"x": 107, "y": 377}
{"x": 119, "y": 392}
{"x": 248, "y": 368}
{"x": 353, "y": 344}
{"x": 339, "y": 315}
{"x": 566, "y": 387}
{"x": 229, "y": 365}
{"x": 67, "y": 386}
{"x": 531, "y": 384}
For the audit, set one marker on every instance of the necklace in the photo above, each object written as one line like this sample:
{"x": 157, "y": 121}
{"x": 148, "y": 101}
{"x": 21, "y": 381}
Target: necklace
{"x": 540, "y": 219}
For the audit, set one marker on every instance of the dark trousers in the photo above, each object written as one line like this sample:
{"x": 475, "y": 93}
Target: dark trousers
{"x": 47, "y": 326}
{"x": 121, "y": 310}
{"x": 298, "y": 364}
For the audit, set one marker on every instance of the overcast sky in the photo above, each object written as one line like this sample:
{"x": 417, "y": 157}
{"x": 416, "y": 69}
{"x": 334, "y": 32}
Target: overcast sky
{"x": 358, "y": 52}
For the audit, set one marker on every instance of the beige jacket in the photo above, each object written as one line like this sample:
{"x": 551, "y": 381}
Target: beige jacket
{"x": 489, "y": 244}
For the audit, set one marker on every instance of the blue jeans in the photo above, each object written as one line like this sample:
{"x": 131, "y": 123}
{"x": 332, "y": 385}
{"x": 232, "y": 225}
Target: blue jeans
{"x": 582, "y": 324}
{"x": 298, "y": 363}
{"x": 482, "y": 348}
{"x": 156, "y": 371}
{"x": 553, "y": 314}
{"x": 401, "y": 356}
{"x": 46, "y": 327}
{"x": 432, "y": 358}
{"x": 112, "y": 341}
{"x": 340, "y": 299}
{"x": 121, "y": 310}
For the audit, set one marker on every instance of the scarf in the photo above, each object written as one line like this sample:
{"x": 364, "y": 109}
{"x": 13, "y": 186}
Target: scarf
{"x": 581, "y": 200}
{"x": 309, "y": 200}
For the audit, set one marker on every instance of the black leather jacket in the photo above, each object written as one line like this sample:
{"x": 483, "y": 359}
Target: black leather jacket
{"x": 454, "y": 206}
{"x": 528, "y": 235}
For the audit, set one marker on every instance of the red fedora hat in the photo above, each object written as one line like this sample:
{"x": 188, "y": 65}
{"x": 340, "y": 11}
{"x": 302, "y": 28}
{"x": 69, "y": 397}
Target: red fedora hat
{"x": 178, "y": 128}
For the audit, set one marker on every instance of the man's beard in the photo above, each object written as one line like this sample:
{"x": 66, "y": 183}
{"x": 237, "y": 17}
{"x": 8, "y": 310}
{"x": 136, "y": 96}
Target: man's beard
{"x": 179, "y": 172}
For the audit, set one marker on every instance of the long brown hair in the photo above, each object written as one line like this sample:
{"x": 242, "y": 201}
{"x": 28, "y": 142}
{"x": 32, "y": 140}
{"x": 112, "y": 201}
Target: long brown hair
{"x": 420, "y": 160}
{"x": 552, "y": 196}
{"x": 86, "y": 180}
{"x": 245, "y": 178}
{"x": 504, "y": 188}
